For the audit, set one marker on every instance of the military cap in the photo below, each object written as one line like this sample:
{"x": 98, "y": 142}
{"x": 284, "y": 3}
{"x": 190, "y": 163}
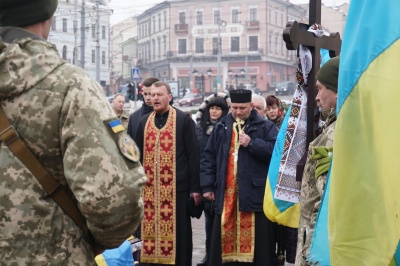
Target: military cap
{"x": 328, "y": 74}
{"x": 240, "y": 96}
{"x": 20, "y": 13}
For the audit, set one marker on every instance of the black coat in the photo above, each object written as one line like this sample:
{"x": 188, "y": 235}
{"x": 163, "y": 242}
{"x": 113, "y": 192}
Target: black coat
{"x": 253, "y": 162}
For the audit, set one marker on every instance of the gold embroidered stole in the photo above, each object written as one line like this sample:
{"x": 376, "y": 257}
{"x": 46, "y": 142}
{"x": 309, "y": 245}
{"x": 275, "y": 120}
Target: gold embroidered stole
{"x": 158, "y": 229}
{"x": 237, "y": 238}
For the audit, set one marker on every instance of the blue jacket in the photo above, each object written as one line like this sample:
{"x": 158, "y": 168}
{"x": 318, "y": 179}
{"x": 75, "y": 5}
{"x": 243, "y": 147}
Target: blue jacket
{"x": 252, "y": 165}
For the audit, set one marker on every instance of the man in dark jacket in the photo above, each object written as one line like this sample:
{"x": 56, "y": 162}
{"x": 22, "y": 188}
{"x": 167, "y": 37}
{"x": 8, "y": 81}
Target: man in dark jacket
{"x": 233, "y": 173}
{"x": 147, "y": 107}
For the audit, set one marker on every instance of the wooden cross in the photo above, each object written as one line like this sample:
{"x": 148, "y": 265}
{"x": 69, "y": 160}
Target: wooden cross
{"x": 296, "y": 33}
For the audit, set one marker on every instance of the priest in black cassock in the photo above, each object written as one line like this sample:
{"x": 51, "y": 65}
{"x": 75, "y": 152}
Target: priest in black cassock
{"x": 169, "y": 155}
{"x": 233, "y": 173}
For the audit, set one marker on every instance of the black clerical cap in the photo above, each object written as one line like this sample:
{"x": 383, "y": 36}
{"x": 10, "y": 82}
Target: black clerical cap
{"x": 240, "y": 96}
{"x": 194, "y": 211}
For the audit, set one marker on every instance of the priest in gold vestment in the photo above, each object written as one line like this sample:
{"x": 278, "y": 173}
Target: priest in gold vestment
{"x": 233, "y": 173}
{"x": 169, "y": 154}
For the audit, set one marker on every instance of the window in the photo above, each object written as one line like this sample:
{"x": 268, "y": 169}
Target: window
{"x": 235, "y": 16}
{"x": 154, "y": 49}
{"x": 199, "y": 17}
{"x": 269, "y": 15}
{"x": 159, "y": 47}
{"x": 281, "y": 19}
{"x": 154, "y": 24}
{"x": 217, "y": 14}
{"x": 215, "y": 45}
{"x": 182, "y": 18}
{"x": 93, "y": 56}
{"x": 75, "y": 26}
{"x": 75, "y": 56}
{"x": 165, "y": 44}
{"x": 270, "y": 43}
{"x": 253, "y": 14}
{"x": 64, "y": 52}
{"x": 165, "y": 20}
{"x": 103, "y": 57}
{"x": 199, "y": 45}
{"x": 93, "y": 30}
{"x": 159, "y": 22}
{"x": 65, "y": 25}
{"x": 53, "y": 25}
{"x": 276, "y": 44}
{"x": 182, "y": 46}
{"x": 253, "y": 43}
{"x": 103, "y": 32}
{"x": 235, "y": 44}
{"x": 276, "y": 17}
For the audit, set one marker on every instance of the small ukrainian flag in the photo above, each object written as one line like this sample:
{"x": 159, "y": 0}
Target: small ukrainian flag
{"x": 116, "y": 126}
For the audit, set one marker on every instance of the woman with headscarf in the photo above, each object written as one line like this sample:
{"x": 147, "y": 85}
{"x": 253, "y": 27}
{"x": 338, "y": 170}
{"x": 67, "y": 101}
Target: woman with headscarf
{"x": 210, "y": 112}
{"x": 275, "y": 112}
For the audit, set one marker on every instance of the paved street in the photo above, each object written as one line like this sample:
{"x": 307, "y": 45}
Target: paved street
{"x": 199, "y": 239}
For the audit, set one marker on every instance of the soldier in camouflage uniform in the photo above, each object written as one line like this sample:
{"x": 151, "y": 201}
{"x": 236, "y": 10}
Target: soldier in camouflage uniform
{"x": 118, "y": 105}
{"x": 319, "y": 152}
{"x": 62, "y": 116}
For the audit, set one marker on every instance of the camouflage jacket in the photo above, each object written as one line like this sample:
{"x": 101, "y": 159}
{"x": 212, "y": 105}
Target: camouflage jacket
{"x": 124, "y": 117}
{"x": 61, "y": 114}
{"x": 311, "y": 192}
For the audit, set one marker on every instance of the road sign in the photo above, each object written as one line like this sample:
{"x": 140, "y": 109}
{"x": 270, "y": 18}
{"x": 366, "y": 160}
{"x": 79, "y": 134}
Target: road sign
{"x": 135, "y": 74}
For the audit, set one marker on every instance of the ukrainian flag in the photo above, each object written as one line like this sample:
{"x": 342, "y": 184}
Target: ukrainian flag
{"x": 364, "y": 199}
{"x": 280, "y": 211}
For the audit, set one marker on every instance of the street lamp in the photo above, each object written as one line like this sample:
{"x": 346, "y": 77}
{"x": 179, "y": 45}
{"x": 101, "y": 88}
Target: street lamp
{"x": 236, "y": 75}
{"x": 203, "y": 77}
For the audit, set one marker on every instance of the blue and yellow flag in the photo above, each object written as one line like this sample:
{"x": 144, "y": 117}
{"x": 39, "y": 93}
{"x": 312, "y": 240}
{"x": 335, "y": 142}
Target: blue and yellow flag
{"x": 280, "y": 211}
{"x": 120, "y": 256}
{"x": 364, "y": 199}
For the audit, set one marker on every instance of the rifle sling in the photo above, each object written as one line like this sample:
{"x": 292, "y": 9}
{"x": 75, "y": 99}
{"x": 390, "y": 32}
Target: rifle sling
{"x": 9, "y": 136}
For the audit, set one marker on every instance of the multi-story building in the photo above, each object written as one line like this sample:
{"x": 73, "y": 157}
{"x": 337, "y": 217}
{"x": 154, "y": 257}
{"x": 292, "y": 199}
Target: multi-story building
{"x": 178, "y": 41}
{"x": 78, "y": 35}
{"x": 123, "y": 56}
{"x": 333, "y": 17}
{"x": 153, "y": 32}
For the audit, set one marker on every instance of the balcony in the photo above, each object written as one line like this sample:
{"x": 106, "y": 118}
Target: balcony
{"x": 181, "y": 28}
{"x": 252, "y": 25}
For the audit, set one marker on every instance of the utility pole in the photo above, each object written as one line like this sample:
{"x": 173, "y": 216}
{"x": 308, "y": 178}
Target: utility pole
{"x": 97, "y": 41}
{"x": 192, "y": 86}
{"x": 83, "y": 31}
{"x": 75, "y": 32}
{"x": 219, "y": 87}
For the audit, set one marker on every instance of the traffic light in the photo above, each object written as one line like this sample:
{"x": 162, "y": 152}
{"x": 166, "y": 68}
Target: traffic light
{"x": 131, "y": 91}
{"x": 140, "y": 88}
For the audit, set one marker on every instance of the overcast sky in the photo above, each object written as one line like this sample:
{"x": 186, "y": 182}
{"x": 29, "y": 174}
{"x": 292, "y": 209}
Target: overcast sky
{"x": 123, "y": 9}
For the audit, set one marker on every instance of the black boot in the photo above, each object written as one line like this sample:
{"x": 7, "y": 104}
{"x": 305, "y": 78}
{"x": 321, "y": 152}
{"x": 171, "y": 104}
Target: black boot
{"x": 204, "y": 261}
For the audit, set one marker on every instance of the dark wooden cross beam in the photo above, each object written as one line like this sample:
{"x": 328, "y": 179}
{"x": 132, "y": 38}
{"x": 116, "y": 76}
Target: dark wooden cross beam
{"x": 296, "y": 33}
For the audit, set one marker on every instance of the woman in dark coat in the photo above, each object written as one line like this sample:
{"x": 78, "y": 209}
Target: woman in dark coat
{"x": 210, "y": 112}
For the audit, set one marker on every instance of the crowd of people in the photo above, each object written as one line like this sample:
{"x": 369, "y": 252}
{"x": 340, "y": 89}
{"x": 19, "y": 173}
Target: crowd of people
{"x": 145, "y": 173}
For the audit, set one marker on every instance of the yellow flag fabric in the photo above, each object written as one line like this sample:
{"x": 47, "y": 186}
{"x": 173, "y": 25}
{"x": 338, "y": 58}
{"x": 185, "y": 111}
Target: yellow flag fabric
{"x": 364, "y": 200}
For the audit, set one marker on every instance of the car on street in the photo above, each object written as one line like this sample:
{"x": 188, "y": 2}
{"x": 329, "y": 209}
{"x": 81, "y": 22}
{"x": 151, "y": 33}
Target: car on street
{"x": 284, "y": 88}
{"x": 190, "y": 99}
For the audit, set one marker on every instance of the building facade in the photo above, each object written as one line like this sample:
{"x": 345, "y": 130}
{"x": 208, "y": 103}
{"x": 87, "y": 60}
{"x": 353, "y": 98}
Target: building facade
{"x": 179, "y": 41}
{"x": 123, "y": 52}
{"x": 82, "y": 37}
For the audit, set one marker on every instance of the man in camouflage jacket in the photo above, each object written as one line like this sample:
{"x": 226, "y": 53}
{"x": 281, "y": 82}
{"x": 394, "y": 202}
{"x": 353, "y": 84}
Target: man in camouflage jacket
{"x": 62, "y": 116}
{"x": 315, "y": 172}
